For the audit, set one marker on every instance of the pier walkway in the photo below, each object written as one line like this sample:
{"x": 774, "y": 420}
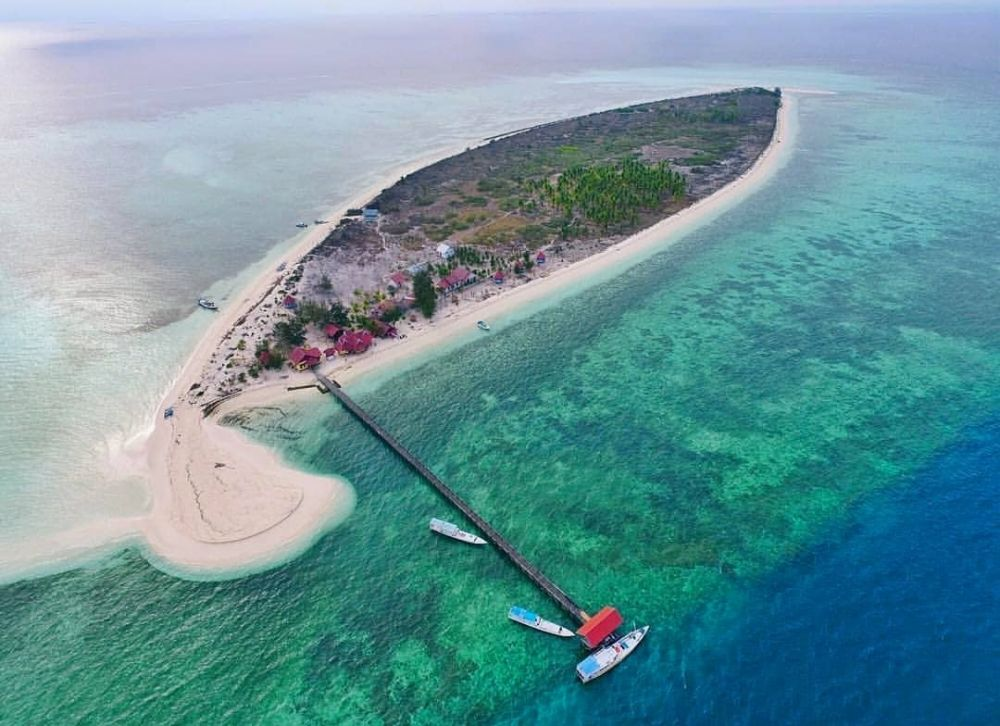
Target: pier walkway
{"x": 530, "y": 571}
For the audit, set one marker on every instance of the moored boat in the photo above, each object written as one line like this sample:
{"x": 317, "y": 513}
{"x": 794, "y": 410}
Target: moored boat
{"x": 207, "y": 303}
{"x": 450, "y": 530}
{"x": 532, "y": 620}
{"x": 600, "y": 662}
{"x": 302, "y": 225}
{"x": 482, "y": 325}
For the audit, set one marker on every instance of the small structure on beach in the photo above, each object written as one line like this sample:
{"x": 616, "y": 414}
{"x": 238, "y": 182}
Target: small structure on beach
{"x": 332, "y": 331}
{"x": 302, "y": 358}
{"x": 330, "y": 353}
{"x": 385, "y": 330}
{"x": 290, "y": 303}
{"x": 455, "y": 280}
{"x": 499, "y": 277}
{"x": 540, "y": 258}
{"x": 596, "y": 629}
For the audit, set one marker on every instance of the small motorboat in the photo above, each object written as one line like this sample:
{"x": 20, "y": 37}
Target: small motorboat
{"x": 482, "y": 325}
{"x": 207, "y": 303}
{"x": 282, "y": 266}
{"x": 597, "y": 664}
{"x": 450, "y": 530}
{"x": 168, "y": 412}
{"x": 302, "y": 225}
{"x": 320, "y": 221}
{"x": 526, "y": 617}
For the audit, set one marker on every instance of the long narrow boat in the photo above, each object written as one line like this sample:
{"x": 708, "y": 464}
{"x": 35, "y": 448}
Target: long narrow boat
{"x": 532, "y": 620}
{"x": 450, "y": 530}
{"x": 207, "y": 303}
{"x": 600, "y": 662}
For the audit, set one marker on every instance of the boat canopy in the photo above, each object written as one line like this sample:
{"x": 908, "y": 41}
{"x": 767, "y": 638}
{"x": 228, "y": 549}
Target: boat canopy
{"x": 600, "y": 626}
{"x": 588, "y": 667}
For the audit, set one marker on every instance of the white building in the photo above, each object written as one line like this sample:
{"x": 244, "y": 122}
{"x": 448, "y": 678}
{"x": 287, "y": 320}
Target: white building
{"x": 446, "y": 251}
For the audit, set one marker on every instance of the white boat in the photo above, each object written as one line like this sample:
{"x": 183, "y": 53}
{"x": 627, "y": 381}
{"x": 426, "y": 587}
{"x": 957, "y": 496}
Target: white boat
{"x": 207, "y": 303}
{"x": 482, "y": 325}
{"x": 600, "y": 662}
{"x": 532, "y": 620}
{"x": 302, "y": 225}
{"x": 450, "y": 530}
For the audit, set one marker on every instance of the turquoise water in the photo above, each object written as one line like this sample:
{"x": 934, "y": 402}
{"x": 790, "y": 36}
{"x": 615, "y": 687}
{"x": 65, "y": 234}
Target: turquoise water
{"x": 774, "y": 442}
{"x": 684, "y": 441}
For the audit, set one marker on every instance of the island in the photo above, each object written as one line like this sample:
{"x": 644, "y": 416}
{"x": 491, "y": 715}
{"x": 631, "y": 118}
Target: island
{"x": 464, "y": 239}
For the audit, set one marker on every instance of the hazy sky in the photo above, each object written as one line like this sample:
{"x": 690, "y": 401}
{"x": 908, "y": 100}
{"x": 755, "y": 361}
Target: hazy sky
{"x": 76, "y": 10}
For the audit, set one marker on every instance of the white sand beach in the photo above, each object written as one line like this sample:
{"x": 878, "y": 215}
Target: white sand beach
{"x": 224, "y": 506}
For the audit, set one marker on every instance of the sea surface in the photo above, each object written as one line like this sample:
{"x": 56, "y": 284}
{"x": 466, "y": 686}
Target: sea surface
{"x": 775, "y": 442}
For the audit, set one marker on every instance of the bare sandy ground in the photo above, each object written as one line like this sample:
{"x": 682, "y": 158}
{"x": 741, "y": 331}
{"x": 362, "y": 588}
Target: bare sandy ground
{"x": 224, "y": 506}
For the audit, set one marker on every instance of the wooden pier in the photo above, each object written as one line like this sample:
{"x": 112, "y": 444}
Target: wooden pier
{"x": 530, "y": 571}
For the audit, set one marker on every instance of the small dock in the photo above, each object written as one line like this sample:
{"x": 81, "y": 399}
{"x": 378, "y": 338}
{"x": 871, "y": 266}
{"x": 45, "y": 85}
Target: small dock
{"x": 499, "y": 541}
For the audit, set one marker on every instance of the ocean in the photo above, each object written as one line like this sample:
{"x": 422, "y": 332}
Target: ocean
{"x": 775, "y": 442}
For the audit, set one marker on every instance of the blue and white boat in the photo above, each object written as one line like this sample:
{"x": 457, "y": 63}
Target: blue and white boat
{"x": 532, "y": 620}
{"x": 600, "y": 662}
{"x": 207, "y": 303}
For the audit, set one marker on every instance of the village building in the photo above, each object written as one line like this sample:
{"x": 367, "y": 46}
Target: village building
{"x": 354, "y": 341}
{"x": 302, "y": 358}
{"x": 332, "y": 331}
{"x": 455, "y": 280}
{"x": 446, "y": 251}
{"x": 540, "y": 258}
{"x": 499, "y": 277}
{"x": 290, "y": 303}
{"x": 330, "y": 353}
{"x": 370, "y": 215}
{"x": 383, "y": 308}
{"x": 396, "y": 281}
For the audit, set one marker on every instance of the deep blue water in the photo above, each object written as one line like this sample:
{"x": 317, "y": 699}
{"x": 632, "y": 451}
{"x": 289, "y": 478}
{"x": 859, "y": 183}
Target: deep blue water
{"x": 895, "y": 620}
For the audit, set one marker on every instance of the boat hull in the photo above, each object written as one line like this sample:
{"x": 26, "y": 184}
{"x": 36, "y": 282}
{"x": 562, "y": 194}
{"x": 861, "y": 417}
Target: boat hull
{"x": 600, "y": 662}
{"x": 536, "y": 622}
{"x": 447, "y": 529}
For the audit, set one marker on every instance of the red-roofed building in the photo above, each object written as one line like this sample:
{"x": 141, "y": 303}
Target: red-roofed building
{"x": 396, "y": 281}
{"x": 330, "y": 353}
{"x": 290, "y": 302}
{"x": 354, "y": 341}
{"x": 599, "y": 627}
{"x": 457, "y": 278}
{"x": 540, "y": 258}
{"x": 333, "y": 331}
{"x": 384, "y": 330}
{"x": 384, "y": 308}
{"x": 302, "y": 358}
{"x": 264, "y": 357}
{"x": 499, "y": 277}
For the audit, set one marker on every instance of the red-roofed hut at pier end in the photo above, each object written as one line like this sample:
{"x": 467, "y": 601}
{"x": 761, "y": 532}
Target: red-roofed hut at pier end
{"x": 599, "y": 627}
